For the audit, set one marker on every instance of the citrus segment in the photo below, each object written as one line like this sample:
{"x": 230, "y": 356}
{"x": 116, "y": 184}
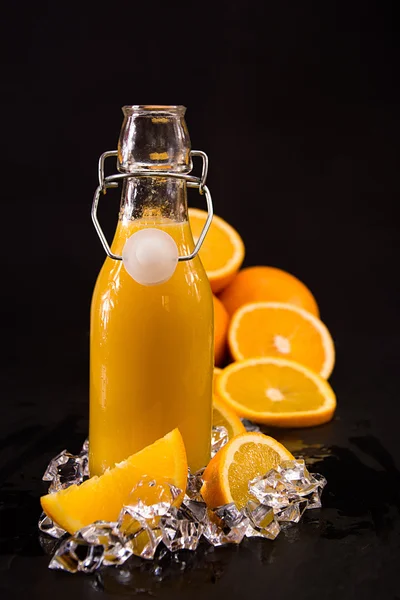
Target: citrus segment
{"x": 221, "y": 322}
{"x": 277, "y": 392}
{"x": 267, "y": 284}
{"x": 278, "y": 329}
{"x": 101, "y": 498}
{"x": 227, "y": 476}
{"x": 222, "y": 251}
{"x": 224, "y": 416}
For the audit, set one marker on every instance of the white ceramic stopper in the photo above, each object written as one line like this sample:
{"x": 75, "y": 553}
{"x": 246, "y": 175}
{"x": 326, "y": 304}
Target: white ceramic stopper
{"x": 150, "y": 256}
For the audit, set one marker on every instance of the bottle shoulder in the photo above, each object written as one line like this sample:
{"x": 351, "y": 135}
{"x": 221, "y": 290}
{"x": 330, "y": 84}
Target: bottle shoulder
{"x": 189, "y": 280}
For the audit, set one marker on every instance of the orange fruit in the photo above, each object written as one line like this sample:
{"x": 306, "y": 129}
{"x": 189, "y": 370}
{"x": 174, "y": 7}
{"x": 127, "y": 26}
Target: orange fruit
{"x": 227, "y": 476}
{"x": 222, "y": 251}
{"x": 267, "y": 284}
{"x": 221, "y": 322}
{"x": 277, "y": 392}
{"x": 101, "y": 498}
{"x": 225, "y": 416}
{"x": 278, "y": 329}
{"x": 217, "y": 371}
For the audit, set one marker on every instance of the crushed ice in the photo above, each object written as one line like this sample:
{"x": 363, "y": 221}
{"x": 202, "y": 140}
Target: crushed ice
{"x": 278, "y": 497}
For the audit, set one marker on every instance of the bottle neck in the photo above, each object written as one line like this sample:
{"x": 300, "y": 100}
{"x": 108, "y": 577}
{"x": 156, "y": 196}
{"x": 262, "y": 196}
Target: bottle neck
{"x": 154, "y": 199}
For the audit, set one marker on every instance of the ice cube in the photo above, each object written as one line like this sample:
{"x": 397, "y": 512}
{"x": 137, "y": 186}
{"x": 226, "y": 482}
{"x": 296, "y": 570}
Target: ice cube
{"x": 161, "y": 495}
{"x": 46, "y": 525}
{"x": 179, "y": 533}
{"x": 293, "y": 512}
{"x": 225, "y": 525}
{"x": 219, "y": 437}
{"x": 194, "y": 484}
{"x": 74, "y": 555}
{"x": 262, "y": 522}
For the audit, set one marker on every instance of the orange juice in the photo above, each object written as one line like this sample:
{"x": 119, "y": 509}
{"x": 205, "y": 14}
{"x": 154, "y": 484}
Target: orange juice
{"x": 151, "y": 355}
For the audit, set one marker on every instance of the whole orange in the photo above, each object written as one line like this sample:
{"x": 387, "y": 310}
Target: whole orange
{"x": 267, "y": 284}
{"x": 221, "y": 322}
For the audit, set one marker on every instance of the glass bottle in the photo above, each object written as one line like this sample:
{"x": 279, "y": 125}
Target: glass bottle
{"x": 151, "y": 346}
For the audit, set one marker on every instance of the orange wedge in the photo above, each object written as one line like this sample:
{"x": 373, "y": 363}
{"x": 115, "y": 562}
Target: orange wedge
{"x": 225, "y": 416}
{"x": 278, "y": 329}
{"x": 227, "y": 476}
{"x": 222, "y": 251}
{"x": 277, "y": 392}
{"x": 101, "y": 498}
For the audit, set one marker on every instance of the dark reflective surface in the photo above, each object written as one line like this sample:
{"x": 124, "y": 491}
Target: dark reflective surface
{"x": 357, "y": 531}
{"x": 371, "y": 506}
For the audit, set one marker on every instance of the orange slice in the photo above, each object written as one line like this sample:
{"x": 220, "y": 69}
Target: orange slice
{"x": 277, "y": 392}
{"x": 278, "y": 329}
{"x": 267, "y": 284}
{"x": 227, "y": 476}
{"x": 101, "y": 498}
{"x": 225, "y": 416}
{"x": 222, "y": 251}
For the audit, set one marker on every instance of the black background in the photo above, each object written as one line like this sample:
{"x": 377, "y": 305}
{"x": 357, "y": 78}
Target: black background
{"x": 296, "y": 104}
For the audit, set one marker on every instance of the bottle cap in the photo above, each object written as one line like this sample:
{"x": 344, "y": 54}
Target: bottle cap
{"x": 150, "y": 256}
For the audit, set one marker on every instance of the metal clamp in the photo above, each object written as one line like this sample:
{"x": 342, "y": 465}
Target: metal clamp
{"x": 112, "y": 182}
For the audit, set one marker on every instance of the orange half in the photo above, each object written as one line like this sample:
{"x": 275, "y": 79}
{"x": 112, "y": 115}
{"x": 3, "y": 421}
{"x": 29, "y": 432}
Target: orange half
{"x": 222, "y": 251}
{"x": 226, "y": 478}
{"x": 281, "y": 330}
{"x": 225, "y": 416}
{"x": 276, "y": 392}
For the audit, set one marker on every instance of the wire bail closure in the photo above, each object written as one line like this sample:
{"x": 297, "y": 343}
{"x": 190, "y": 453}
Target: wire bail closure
{"x": 112, "y": 182}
